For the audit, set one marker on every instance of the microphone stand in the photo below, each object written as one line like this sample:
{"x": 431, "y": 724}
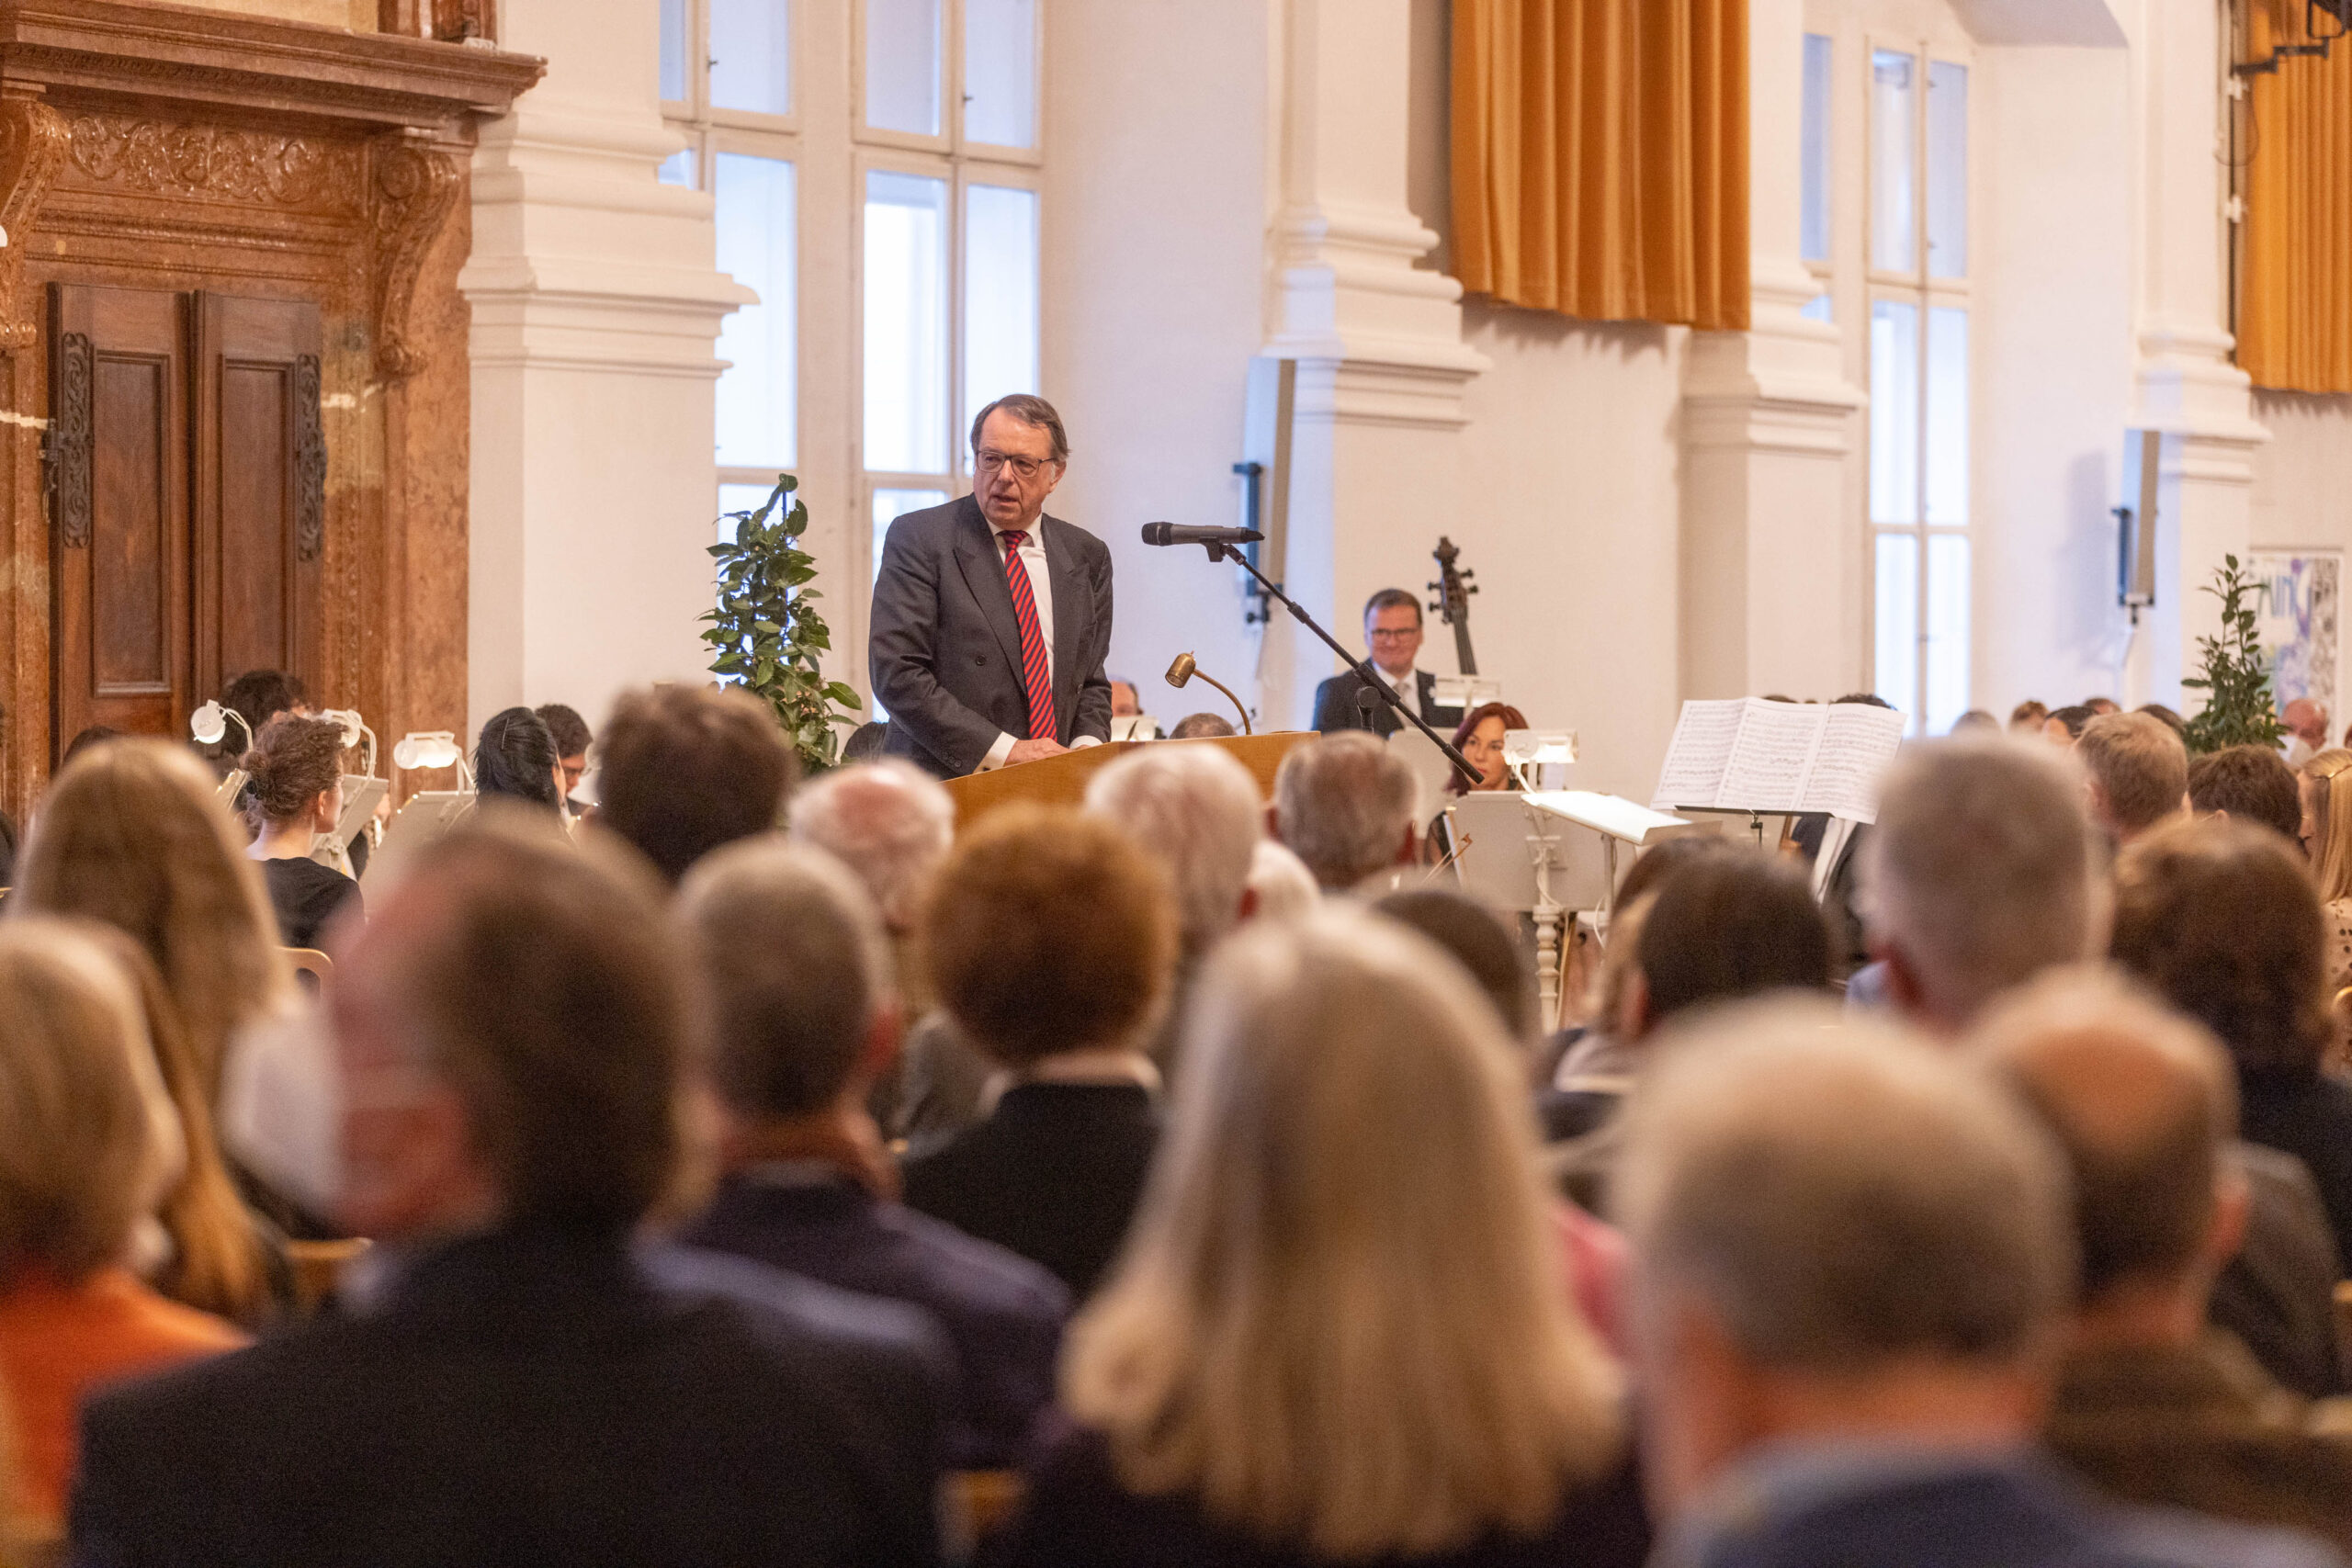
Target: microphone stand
{"x": 1371, "y": 681}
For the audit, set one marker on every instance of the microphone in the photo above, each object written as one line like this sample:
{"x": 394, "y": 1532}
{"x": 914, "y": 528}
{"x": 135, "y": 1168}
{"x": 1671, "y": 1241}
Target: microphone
{"x": 1177, "y": 533}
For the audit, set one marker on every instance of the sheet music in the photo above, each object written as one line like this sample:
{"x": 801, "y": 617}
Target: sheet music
{"x": 1773, "y": 759}
{"x": 1753, "y": 755}
{"x": 1858, "y": 742}
{"x": 1693, "y": 773}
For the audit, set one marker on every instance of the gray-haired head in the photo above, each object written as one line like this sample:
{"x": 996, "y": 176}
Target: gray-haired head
{"x": 795, "y": 970}
{"x": 1344, "y": 805}
{"x": 1837, "y": 1194}
{"x": 1196, "y": 809}
{"x": 1981, "y": 871}
{"x": 889, "y": 821}
{"x": 1033, "y": 411}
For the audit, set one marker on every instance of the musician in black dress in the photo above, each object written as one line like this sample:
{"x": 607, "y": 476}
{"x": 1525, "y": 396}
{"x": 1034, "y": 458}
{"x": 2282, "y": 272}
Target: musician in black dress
{"x": 296, "y": 768}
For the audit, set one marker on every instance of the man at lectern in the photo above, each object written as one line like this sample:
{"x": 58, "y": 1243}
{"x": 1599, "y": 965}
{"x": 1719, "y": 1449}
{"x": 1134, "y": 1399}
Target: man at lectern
{"x": 992, "y": 620}
{"x": 1392, "y": 635}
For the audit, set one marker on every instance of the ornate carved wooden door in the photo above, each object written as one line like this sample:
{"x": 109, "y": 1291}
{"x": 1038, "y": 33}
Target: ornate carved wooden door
{"x": 119, "y": 481}
{"x": 188, "y": 467}
{"x": 260, "y": 497}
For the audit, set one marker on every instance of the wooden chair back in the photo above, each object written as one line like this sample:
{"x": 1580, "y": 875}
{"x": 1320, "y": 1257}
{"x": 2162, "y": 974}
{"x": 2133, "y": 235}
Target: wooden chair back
{"x": 316, "y": 964}
{"x": 317, "y": 1267}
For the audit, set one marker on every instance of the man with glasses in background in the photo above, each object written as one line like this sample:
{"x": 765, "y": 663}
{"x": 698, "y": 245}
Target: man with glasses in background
{"x": 1392, "y": 630}
{"x": 992, "y": 620}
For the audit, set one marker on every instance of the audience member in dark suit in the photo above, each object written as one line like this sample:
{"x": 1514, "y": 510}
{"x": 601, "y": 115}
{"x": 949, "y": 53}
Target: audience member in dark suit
{"x": 523, "y": 1386}
{"x": 682, "y": 770}
{"x": 2153, "y": 1405}
{"x": 992, "y": 620}
{"x": 1858, "y": 1261}
{"x": 1392, "y": 637}
{"x": 1052, "y": 941}
{"x": 796, "y": 969}
{"x": 2221, "y": 918}
{"x": 1337, "y": 1336}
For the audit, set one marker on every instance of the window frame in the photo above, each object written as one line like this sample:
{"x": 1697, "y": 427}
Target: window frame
{"x": 1925, "y": 293}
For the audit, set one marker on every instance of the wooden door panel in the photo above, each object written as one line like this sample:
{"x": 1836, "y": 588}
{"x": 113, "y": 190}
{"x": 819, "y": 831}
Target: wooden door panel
{"x": 260, "y": 489}
{"x": 131, "y": 553}
{"x": 118, "y": 472}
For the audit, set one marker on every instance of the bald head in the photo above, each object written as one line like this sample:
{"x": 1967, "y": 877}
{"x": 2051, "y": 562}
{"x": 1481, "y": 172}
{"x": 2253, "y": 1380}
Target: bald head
{"x": 2143, "y": 1103}
{"x": 889, "y": 821}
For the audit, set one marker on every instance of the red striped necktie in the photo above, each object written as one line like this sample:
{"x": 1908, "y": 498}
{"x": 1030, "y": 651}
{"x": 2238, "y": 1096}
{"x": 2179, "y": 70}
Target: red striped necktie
{"x": 1036, "y": 675}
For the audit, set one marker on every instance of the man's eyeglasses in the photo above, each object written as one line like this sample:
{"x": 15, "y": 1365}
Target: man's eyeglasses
{"x": 1394, "y": 634}
{"x": 1026, "y": 468}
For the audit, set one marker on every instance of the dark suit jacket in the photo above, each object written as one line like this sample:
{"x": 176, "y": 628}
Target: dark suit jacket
{"x": 1335, "y": 707}
{"x": 2310, "y": 1117}
{"x": 2278, "y": 1295}
{"x": 537, "y": 1397}
{"x": 945, "y": 651}
{"x": 1077, "y": 1515}
{"x": 1988, "y": 1516}
{"x": 1002, "y": 1313}
{"x": 1053, "y": 1174}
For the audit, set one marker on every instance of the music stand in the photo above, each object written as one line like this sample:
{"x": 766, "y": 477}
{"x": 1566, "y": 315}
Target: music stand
{"x": 429, "y": 815}
{"x": 1548, "y": 853}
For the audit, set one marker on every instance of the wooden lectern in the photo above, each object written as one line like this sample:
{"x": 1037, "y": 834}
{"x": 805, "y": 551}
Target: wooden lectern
{"x": 1061, "y": 781}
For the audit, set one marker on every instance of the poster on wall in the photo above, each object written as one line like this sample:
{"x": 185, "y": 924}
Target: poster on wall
{"x": 2299, "y": 596}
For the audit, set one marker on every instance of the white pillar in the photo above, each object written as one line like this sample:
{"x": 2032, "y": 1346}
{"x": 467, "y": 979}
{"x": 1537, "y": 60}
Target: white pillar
{"x": 1382, "y": 363}
{"x": 1772, "y": 565}
{"x": 2185, "y": 385}
{"x": 595, "y": 306}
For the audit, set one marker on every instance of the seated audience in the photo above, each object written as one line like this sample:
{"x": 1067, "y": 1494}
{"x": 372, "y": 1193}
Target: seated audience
{"x": 2028, "y": 717}
{"x": 1202, "y": 726}
{"x": 2168, "y": 717}
{"x": 131, "y": 835}
{"x": 1279, "y": 884}
{"x": 1051, "y": 940}
{"x": 2327, "y": 839}
{"x": 1335, "y": 1338}
{"x": 2306, "y": 723}
{"x": 88, "y": 1146}
{"x": 2247, "y": 784}
{"x": 93, "y": 735}
{"x": 2064, "y": 726}
{"x": 1979, "y": 874}
{"x": 223, "y": 1259}
{"x": 866, "y": 742}
{"x": 2101, "y": 706}
{"x": 297, "y": 769}
{"x": 570, "y": 732}
{"x": 515, "y": 760}
{"x": 2222, "y": 921}
{"x": 891, "y": 824}
{"x": 1856, "y": 1257}
{"x": 2137, "y": 774}
{"x": 683, "y": 770}
{"x": 2151, "y": 1403}
{"x": 1195, "y": 810}
{"x": 522, "y": 1385}
{"x": 1975, "y": 720}
{"x": 796, "y": 968}
{"x": 1723, "y": 927}
{"x": 1473, "y": 938}
{"x": 1125, "y": 701}
{"x": 1350, "y": 808}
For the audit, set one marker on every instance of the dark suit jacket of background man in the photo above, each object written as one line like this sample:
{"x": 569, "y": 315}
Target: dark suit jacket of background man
{"x": 1335, "y": 707}
{"x": 537, "y": 1397}
{"x": 945, "y": 649}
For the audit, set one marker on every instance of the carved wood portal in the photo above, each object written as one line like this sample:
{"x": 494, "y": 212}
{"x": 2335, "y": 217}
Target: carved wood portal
{"x": 258, "y": 407}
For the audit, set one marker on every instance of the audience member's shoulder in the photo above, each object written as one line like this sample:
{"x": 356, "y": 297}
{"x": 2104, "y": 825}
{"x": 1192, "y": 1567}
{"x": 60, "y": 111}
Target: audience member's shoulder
{"x": 799, "y": 1309}
{"x": 984, "y": 1274}
{"x": 2171, "y": 1538}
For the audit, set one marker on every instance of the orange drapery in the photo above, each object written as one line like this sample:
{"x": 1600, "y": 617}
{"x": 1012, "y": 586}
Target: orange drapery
{"x": 1601, "y": 157}
{"x": 2295, "y": 294}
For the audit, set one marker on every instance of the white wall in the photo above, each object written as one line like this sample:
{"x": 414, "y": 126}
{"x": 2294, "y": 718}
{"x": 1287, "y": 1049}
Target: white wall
{"x": 1155, "y": 227}
{"x": 1568, "y": 512}
{"x": 2053, "y": 252}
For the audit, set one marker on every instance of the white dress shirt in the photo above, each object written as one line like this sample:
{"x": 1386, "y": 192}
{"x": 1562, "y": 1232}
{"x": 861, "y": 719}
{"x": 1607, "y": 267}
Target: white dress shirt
{"x": 1041, "y": 588}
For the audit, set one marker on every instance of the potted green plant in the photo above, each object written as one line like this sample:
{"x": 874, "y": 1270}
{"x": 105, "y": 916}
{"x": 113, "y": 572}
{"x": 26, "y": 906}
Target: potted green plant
{"x": 2238, "y": 709}
{"x": 765, "y": 634}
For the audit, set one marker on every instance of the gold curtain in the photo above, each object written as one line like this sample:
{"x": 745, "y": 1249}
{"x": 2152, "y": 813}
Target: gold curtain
{"x": 1601, "y": 157}
{"x": 2295, "y": 292}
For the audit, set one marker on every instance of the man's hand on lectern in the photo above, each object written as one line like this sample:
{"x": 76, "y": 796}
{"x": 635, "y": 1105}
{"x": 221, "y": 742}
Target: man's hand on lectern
{"x": 1033, "y": 751}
